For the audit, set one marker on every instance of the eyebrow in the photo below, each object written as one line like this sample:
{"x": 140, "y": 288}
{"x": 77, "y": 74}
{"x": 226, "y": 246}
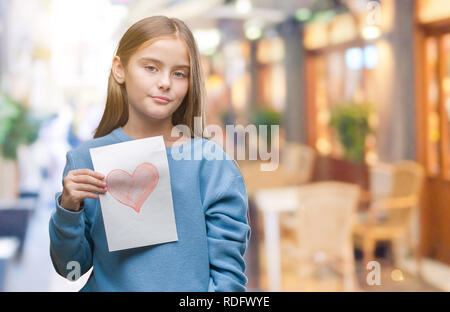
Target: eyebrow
{"x": 159, "y": 62}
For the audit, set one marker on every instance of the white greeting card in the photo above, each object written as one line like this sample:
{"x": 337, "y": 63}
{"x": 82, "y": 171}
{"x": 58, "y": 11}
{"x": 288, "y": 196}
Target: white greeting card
{"x": 137, "y": 208}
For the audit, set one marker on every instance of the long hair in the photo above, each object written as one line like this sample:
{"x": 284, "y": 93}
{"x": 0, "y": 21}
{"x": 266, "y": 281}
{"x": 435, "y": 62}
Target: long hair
{"x": 147, "y": 30}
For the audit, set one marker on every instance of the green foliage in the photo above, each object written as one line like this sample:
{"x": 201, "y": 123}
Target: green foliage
{"x": 265, "y": 116}
{"x": 351, "y": 122}
{"x": 16, "y": 126}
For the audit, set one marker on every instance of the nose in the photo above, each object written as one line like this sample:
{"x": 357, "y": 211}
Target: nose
{"x": 164, "y": 82}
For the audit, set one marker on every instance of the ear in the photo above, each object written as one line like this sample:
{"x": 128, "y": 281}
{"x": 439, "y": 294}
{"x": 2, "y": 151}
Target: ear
{"x": 117, "y": 70}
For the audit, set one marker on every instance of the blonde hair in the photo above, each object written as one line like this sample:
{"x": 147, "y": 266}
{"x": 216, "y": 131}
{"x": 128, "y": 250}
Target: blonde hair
{"x": 144, "y": 31}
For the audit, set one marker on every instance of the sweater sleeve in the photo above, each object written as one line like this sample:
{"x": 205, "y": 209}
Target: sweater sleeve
{"x": 228, "y": 234}
{"x": 69, "y": 236}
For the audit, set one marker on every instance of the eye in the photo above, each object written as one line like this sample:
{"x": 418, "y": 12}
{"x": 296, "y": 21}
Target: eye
{"x": 180, "y": 75}
{"x": 151, "y": 68}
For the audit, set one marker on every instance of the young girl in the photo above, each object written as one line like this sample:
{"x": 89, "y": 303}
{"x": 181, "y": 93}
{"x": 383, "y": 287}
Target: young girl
{"x": 155, "y": 84}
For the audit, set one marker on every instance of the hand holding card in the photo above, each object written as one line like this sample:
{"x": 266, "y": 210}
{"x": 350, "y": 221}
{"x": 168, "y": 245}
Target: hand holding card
{"x": 80, "y": 184}
{"x": 137, "y": 208}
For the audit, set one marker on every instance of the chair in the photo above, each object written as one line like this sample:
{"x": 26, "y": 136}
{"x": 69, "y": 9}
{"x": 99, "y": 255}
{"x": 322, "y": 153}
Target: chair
{"x": 297, "y": 162}
{"x": 256, "y": 179}
{"x": 395, "y": 194}
{"x": 324, "y": 218}
{"x": 296, "y": 167}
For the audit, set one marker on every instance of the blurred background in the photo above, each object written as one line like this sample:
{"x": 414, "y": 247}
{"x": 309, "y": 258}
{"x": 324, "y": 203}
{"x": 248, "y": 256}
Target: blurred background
{"x": 360, "y": 89}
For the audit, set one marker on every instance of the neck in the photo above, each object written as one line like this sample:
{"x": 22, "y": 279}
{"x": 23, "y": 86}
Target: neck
{"x": 137, "y": 129}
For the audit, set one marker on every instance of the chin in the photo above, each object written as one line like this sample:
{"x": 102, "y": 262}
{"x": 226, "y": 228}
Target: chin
{"x": 158, "y": 114}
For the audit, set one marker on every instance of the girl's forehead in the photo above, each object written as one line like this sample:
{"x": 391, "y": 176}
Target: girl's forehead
{"x": 170, "y": 51}
{"x": 163, "y": 45}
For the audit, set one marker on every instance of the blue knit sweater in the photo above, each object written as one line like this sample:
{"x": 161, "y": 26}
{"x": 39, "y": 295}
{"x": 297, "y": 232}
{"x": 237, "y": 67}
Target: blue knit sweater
{"x": 210, "y": 205}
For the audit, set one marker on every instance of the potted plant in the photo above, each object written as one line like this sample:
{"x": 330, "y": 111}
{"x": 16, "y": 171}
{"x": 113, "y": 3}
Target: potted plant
{"x": 17, "y": 127}
{"x": 351, "y": 122}
{"x": 265, "y": 116}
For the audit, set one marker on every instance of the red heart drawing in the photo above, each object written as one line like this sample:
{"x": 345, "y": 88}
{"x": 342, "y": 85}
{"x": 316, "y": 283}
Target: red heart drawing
{"x": 133, "y": 190}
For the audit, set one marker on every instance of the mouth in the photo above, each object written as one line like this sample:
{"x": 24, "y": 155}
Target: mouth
{"x": 161, "y": 99}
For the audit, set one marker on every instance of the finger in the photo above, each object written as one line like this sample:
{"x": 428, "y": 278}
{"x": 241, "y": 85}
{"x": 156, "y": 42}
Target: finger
{"x": 89, "y": 172}
{"x": 82, "y": 195}
{"x": 89, "y": 188}
{"x": 89, "y": 180}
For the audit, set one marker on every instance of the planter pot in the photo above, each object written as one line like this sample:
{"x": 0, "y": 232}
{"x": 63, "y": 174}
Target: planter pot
{"x": 9, "y": 180}
{"x": 331, "y": 168}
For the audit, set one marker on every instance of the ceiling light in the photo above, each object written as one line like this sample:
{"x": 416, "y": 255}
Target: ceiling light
{"x": 371, "y": 32}
{"x": 253, "y": 29}
{"x": 253, "y": 32}
{"x": 243, "y": 6}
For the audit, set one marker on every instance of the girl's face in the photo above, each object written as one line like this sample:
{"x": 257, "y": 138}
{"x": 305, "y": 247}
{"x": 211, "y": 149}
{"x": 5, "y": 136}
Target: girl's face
{"x": 156, "y": 78}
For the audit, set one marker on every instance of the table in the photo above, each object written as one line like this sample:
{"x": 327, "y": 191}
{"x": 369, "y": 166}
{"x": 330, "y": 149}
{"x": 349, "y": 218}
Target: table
{"x": 8, "y": 248}
{"x": 271, "y": 202}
